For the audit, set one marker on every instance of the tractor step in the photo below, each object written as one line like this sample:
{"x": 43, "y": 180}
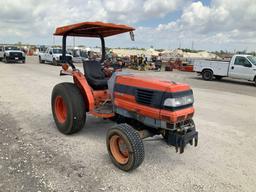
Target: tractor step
{"x": 106, "y": 108}
{"x": 105, "y": 111}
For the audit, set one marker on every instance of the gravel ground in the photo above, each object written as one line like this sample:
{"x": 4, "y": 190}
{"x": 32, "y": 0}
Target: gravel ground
{"x": 34, "y": 156}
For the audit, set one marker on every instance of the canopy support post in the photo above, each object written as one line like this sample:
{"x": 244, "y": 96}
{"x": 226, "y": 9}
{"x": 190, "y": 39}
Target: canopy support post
{"x": 103, "y": 49}
{"x": 64, "y": 50}
{"x": 64, "y": 45}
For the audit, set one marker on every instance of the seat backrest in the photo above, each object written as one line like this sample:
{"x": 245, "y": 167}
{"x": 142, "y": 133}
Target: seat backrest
{"x": 92, "y": 69}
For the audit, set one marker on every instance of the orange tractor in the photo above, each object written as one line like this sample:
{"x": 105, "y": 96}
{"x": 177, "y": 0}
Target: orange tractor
{"x": 140, "y": 107}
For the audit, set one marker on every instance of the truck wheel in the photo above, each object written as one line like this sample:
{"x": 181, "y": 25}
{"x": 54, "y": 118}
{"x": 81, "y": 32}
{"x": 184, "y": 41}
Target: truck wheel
{"x": 6, "y": 60}
{"x": 40, "y": 60}
{"x": 68, "y": 108}
{"x": 125, "y": 147}
{"x": 54, "y": 62}
{"x": 207, "y": 75}
{"x": 218, "y": 77}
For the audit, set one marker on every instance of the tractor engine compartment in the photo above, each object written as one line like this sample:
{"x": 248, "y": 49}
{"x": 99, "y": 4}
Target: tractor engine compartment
{"x": 159, "y": 106}
{"x": 156, "y": 103}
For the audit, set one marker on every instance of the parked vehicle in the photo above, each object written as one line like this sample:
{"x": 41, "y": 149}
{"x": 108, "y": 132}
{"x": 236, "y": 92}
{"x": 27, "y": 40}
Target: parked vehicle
{"x": 12, "y": 54}
{"x": 140, "y": 106}
{"x": 78, "y": 54}
{"x": 239, "y": 67}
{"x": 53, "y": 56}
{"x": 1, "y": 53}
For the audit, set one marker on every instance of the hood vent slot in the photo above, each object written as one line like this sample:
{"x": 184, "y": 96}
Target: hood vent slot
{"x": 144, "y": 96}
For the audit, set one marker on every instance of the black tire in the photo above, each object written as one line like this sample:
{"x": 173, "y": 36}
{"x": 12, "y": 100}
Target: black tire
{"x": 54, "y": 62}
{"x": 23, "y": 61}
{"x": 75, "y": 109}
{"x": 255, "y": 81}
{"x": 6, "y": 60}
{"x": 218, "y": 78}
{"x": 207, "y": 75}
{"x": 40, "y": 60}
{"x": 134, "y": 147}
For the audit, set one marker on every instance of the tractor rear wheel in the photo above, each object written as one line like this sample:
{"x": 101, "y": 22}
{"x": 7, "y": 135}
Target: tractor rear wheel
{"x": 68, "y": 108}
{"x": 125, "y": 147}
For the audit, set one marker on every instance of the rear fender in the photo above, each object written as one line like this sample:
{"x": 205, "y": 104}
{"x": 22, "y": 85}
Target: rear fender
{"x": 86, "y": 90}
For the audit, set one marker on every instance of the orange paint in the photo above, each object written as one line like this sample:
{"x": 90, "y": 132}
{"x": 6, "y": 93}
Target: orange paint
{"x": 151, "y": 83}
{"x": 100, "y": 96}
{"x": 92, "y": 29}
{"x": 159, "y": 114}
{"x": 82, "y": 84}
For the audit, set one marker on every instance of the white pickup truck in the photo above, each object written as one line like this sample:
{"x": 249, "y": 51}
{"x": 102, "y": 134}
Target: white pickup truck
{"x": 239, "y": 67}
{"x": 1, "y": 53}
{"x": 11, "y": 54}
{"x": 53, "y": 55}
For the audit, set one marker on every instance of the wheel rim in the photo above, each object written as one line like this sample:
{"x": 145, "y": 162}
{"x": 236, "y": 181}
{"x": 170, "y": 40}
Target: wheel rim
{"x": 60, "y": 109}
{"x": 207, "y": 75}
{"x": 119, "y": 149}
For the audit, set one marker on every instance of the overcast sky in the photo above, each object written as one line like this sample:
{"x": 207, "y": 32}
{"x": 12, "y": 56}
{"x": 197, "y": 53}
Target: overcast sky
{"x": 209, "y": 24}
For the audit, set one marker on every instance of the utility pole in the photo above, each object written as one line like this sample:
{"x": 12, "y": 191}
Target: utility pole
{"x": 192, "y": 46}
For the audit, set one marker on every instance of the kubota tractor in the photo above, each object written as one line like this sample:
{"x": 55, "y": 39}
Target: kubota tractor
{"x": 140, "y": 107}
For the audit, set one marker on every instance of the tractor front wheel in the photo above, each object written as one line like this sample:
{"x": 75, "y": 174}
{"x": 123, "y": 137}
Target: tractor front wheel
{"x": 125, "y": 147}
{"x": 68, "y": 108}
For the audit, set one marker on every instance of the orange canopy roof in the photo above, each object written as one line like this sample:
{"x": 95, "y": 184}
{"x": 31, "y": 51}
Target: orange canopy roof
{"x": 92, "y": 29}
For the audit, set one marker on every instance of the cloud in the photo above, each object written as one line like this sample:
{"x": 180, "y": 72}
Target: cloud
{"x": 219, "y": 25}
{"x": 223, "y": 21}
{"x": 29, "y": 20}
{"x": 160, "y": 7}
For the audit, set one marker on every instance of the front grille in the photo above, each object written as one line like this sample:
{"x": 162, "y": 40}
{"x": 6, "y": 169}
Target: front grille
{"x": 181, "y": 118}
{"x": 144, "y": 96}
{"x": 15, "y": 54}
{"x": 189, "y": 116}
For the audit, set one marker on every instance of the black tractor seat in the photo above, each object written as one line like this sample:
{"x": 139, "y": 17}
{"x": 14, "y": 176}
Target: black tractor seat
{"x": 94, "y": 75}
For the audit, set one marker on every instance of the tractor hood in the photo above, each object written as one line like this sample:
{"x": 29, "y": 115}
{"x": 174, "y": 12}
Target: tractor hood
{"x": 151, "y": 83}
{"x": 158, "y": 96}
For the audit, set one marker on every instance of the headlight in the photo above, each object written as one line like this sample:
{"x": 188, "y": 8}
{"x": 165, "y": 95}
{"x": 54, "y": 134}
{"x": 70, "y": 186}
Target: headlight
{"x": 176, "y": 102}
{"x": 7, "y": 54}
{"x": 23, "y": 54}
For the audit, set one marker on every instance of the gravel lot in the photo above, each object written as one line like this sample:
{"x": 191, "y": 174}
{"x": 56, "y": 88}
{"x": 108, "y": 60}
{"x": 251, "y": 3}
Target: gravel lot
{"x": 34, "y": 156}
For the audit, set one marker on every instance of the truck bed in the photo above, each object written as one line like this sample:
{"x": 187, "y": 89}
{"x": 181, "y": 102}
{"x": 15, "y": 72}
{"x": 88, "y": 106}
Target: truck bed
{"x": 219, "y": 68}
